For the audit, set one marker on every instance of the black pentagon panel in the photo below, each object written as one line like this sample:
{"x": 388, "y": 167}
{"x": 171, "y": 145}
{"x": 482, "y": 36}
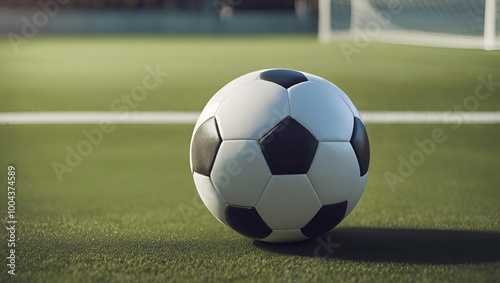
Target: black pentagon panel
{"x": 288, "y": 148}
{"x": 359, "y": 142}
{"x": 283, "y": 77}
{"x": 206, "y": 143}
{"x": 246, "y": 221}
{"x": 325, "y": 219}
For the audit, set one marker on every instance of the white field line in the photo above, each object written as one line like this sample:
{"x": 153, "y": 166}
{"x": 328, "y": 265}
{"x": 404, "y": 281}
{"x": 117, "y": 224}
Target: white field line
{"x": 181, "y": 117}
{"x": 430, "y": 117}
{"x": 96, "y": 117}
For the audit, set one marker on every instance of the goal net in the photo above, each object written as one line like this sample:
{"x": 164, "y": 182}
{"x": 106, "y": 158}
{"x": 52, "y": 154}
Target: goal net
{"x": 438, "y": 23}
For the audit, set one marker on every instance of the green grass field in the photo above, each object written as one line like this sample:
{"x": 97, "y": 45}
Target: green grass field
{"x": 130, "y": 212}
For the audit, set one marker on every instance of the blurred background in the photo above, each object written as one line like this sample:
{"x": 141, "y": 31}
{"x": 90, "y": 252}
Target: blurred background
{"x": 123, "y": 207}
{"x": 170, "y": 16}
{"x": 59, "y": 41}
{"x": 463, "y": 17}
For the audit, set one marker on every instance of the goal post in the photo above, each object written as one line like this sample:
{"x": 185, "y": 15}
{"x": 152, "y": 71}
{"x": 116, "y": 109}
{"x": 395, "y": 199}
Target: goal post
{"x": 439, "y": 23}
{"x": 324, "y": 23}
{"x": 490, "y": 12}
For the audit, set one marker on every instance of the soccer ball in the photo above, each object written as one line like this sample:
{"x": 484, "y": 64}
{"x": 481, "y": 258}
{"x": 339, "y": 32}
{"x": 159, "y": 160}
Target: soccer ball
{"x": 280, "y": 155}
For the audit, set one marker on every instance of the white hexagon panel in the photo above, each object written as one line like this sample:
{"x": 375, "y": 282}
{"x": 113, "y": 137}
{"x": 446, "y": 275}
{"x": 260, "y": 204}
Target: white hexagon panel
{"x": 336, "y": 89}
{"x": 253, "y": 111}
{"x": 288, "y": 202}
{"x": 321, "y": 111}
{"x": 285, "y": 236}
{"x": 356, "y": 195}
{"x": 210, "y": 196}
{"x": 216, "y": 100}
{"x": 214, "y": 103}
{"x": 334, "y": 181}
{"x": 240, "y": 172}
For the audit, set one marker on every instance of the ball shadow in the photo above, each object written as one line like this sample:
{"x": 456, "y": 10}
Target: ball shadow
{"x": 397, "y": 245}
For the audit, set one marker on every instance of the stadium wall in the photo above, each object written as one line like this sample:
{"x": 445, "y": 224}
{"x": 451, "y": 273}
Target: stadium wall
{"x": 68, "y": 21}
